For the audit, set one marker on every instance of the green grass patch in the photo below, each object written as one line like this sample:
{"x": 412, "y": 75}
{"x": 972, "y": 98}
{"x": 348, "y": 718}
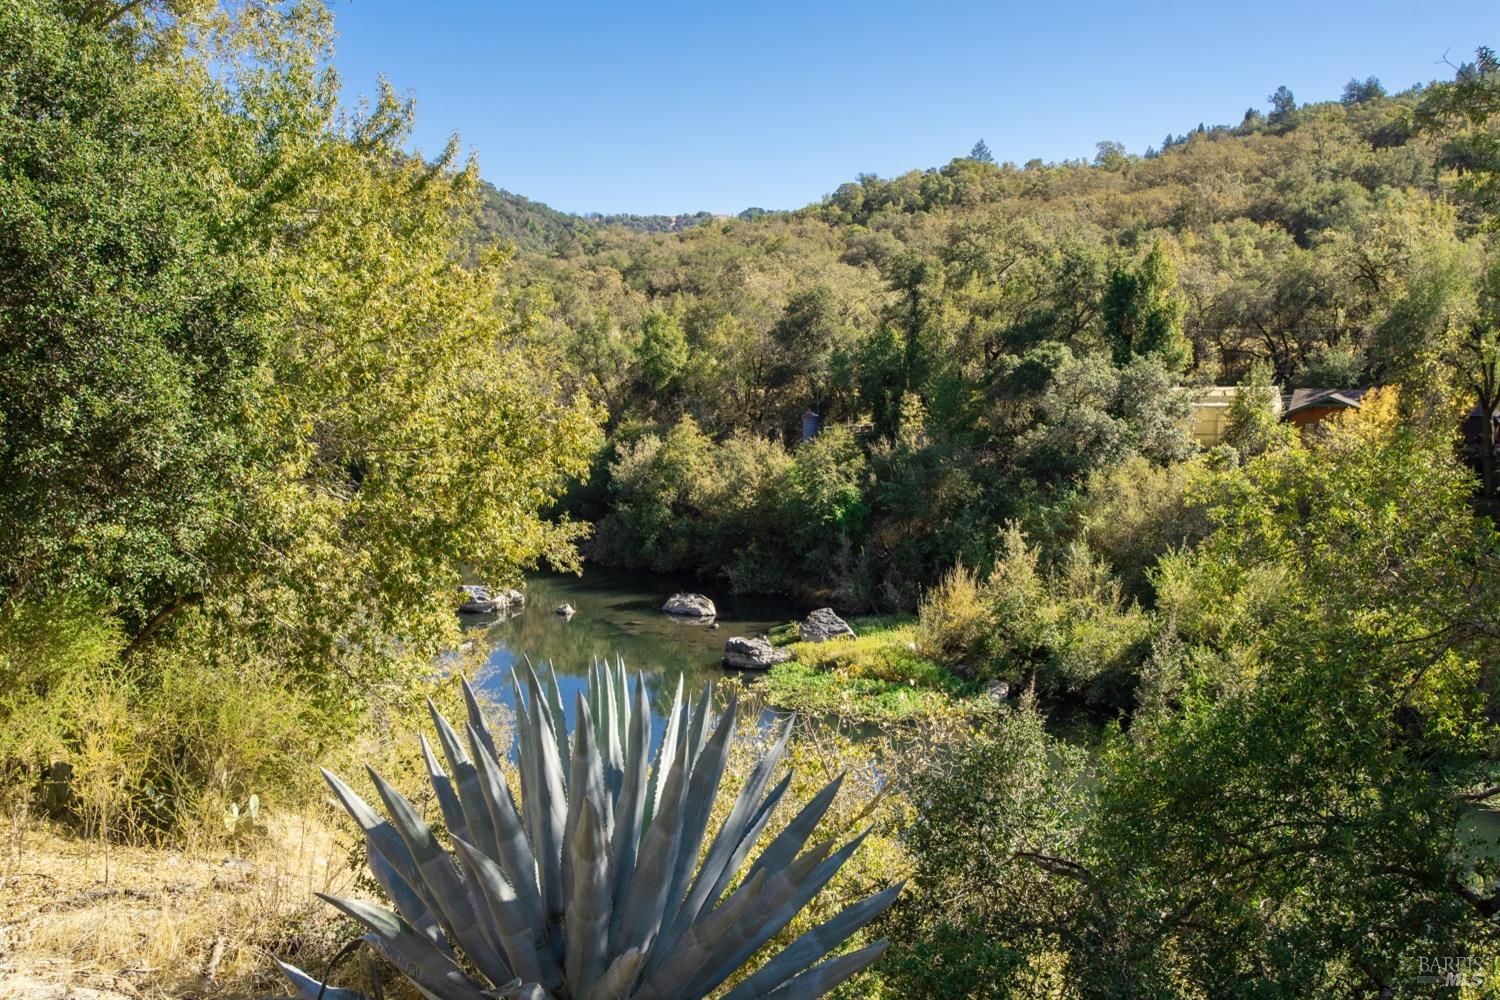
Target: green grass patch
{"x": 876, "y": 677}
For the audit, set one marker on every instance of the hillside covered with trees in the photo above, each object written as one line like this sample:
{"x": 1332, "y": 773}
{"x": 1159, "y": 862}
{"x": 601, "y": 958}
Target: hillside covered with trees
{"x": 979, "y": 338}
{"x": 503, "y": 217}
{"x": 1138, "y": 717}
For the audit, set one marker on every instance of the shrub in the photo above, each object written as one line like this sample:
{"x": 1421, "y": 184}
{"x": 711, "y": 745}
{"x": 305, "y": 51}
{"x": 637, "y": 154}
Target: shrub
{"x": 977, "y": 920}
{"x": 1253, "y": 424}
{"x": 591, "y": 890}
{"x": 1068, "y": 629}
{"x": 954, "y": 619}
{"x": 1135, "y": 512}
{"x": 1016, "y": 592}
{"x": 685, "y": 503}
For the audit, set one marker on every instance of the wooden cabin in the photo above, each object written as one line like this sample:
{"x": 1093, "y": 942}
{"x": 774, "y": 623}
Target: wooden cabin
{"x": 1304, "y": 407}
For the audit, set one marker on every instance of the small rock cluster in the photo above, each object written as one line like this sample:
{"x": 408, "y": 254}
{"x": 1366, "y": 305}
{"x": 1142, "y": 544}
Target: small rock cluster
{"x": 481, "y": 600}
{"x": 822, "y": 625}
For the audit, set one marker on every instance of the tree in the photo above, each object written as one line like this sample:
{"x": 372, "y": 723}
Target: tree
{"x": 247, "y": 349}
{"x": 663, "y": 352}
{"x": 1253, "y": 422}
{"x": 1480, "y": 362}
{"x": 976, "y": 918}
{"x": 809, "y": 331}
{"x": 1110, "y": 155}
{"x": 1141, "y": 314}
{"x": 1482, "y": 344}
{"x": 1461, "y": 112}
{"x": 1360, "y": 91}
{"x": 1313, "y": 829}
{"x": 121, "y": 413}
{"x": 1283, "y": 106}
{"x": 1333, "y": 642}
{"x": 981, "y": 153}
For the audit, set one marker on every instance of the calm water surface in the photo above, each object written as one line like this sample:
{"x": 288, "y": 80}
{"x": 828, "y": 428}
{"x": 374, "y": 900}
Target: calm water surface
{"x": 619, "y": 614}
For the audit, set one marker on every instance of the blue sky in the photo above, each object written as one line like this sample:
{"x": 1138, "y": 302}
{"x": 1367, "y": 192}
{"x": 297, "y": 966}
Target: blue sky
{"x": 647, "y": 108}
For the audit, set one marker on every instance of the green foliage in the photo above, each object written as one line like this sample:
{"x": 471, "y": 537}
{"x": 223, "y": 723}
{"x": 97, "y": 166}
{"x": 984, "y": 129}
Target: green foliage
{"x": 1135, "y": 513}
{"x": 954, "y": 617}
{"x": 1141, "y": 314}
{"x": 1358, "y": 91}
{"x": 1067, "y": 630}
{"x": 1290, "y": 810}
{"x": 879, "y": 676}
{"x": 662, "y": 353}
{"x": 601, "y": 883}
{"x": 1317, "y": 710}
{"x": 1331, "y": 366}
{"x": 266, "y": 392}
{"x": 1283, "y": 107}
{"x": 261, "y": 399}
{"x": 993, "y": 811}
{"x": 841, "y": 690}
{"x": 503, "y": 217}
{"x": 1254, "y": 424}
{"x": 683, "y": 503}
{"x": 1462, "y": 111}
{"x": 1048, "y": 321}
{"x": 141, "y": 387}
{"x": 167, "y": 740}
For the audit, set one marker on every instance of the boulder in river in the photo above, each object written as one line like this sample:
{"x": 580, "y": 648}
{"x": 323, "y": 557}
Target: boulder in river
{"x": 480, "y": 600}
{"x": 752, "y": 654}
{"x": 566, "y": 610}
{"x": 822, "y": 625}
{"x": 690, "y": 606}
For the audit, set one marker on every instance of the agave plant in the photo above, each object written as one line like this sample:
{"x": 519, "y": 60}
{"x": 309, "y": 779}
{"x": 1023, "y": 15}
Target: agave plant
{"x": 595, "y": 884}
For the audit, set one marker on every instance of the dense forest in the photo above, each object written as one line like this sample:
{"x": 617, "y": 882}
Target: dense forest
{"x": 1194, "y": 721}
{"x": 979, "y": 338}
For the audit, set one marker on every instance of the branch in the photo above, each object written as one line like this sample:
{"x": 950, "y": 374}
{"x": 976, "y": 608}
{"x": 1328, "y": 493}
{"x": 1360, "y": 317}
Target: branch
{"x": 1480, "y": 795}
{"x": 146, "y": 634}
{"x": 119, "y": 11}
{"x": 1487, "y": 906}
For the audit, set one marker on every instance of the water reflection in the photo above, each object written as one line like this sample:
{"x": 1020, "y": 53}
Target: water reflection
{"x": 619, "y": 614}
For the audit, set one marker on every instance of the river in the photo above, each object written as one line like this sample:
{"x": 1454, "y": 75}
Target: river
{"x": 618, "y": 613}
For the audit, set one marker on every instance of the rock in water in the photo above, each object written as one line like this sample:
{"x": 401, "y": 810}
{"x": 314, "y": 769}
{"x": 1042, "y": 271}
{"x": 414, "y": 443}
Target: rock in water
{"x": 690, "y": 606}
{"x": 566, "y": 610}
{"x": 479, "y": 601}
{"x": 752, "y": 654}
{"x": 823, "y": 625}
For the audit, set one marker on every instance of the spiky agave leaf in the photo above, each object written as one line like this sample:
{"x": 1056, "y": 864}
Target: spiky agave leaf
{"x": 594, "y": 889}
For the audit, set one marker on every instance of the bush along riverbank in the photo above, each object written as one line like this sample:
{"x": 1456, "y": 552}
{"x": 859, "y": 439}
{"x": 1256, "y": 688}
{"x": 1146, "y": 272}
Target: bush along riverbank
{"x": 877, "y": 675}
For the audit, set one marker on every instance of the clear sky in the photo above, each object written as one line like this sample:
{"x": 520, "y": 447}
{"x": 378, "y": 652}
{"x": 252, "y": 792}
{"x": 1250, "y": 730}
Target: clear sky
{"x": 665, "y": 108}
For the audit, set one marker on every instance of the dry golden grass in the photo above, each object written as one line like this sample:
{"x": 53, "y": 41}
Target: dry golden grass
{"x": 147, "y": 922}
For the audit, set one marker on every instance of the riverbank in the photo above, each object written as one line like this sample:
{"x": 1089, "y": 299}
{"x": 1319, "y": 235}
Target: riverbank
{"x": 877, "y": 677}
